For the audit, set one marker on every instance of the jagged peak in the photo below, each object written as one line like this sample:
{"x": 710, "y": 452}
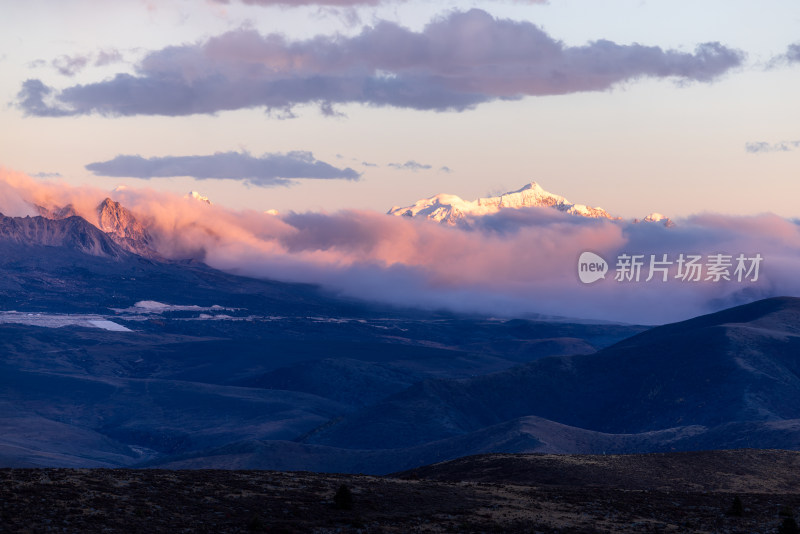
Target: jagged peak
{"x": 56, "y": 213}
{"x": 121, "y": 225}
{"x": 114, "y": 220}
{"x": 71, "y": 232}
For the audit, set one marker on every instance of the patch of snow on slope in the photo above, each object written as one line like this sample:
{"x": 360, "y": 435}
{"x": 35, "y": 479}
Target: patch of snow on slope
{"x": 52, "y": 320}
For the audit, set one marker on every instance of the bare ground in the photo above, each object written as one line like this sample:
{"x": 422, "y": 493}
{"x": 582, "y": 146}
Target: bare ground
{"x": 492, "y": 493}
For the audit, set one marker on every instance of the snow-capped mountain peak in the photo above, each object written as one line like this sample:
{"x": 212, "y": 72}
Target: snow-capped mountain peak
{"x": 656, "y": 217}
{"x": 198, "y": 197}
{"x": 531, "y": 194}
{"x": 452, "y": 209}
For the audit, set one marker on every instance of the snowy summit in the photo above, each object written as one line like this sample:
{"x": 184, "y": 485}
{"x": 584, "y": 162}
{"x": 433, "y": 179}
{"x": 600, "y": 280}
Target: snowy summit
{"x": 197, "y": 196}
{"x": 450, "y": 209}
{"x": 656, "y": 217}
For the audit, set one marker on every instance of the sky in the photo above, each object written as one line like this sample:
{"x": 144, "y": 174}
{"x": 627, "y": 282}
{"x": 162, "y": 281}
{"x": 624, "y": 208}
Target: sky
{"x": 304, "y": 122}
{"x": 675, "y": 106}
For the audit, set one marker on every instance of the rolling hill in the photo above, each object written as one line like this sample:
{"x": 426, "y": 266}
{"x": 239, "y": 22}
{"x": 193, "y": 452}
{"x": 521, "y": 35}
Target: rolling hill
{"x": 738, "y": 366}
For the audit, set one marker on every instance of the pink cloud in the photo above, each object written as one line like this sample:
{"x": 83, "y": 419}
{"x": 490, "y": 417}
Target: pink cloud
{"x": 340, "y": 3}
{"x": 531, "y": 268}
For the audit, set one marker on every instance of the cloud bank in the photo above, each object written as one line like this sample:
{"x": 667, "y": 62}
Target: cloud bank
{"x": 514, "y": 263}
{"x": 455, "y": 63}
{"x": 338, "y": 3}
{"x": 341, "y": 3}
{"x": 267, "y": 170}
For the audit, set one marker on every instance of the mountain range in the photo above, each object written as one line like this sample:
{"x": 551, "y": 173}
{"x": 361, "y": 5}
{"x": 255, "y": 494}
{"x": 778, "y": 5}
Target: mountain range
{"x": 114, "y": 356}
{"x": 122, "y": 227}
{"x": 112, "y": 219}
{"x": 453, "y": 210}
{"x": 110, "y": 358}
{"x": 723, "y": 381}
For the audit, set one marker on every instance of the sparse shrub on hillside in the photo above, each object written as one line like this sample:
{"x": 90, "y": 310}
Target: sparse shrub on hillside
{"x": 789, "y": 526}
{"x": 343, "y": 498}
{"x": 256, "y": 524}
{"x": 736, "y": 509}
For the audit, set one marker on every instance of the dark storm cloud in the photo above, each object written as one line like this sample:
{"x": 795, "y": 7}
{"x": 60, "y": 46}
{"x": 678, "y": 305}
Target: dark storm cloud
{"x": 454, "y": 63}
{"x": 267, "y": 170}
